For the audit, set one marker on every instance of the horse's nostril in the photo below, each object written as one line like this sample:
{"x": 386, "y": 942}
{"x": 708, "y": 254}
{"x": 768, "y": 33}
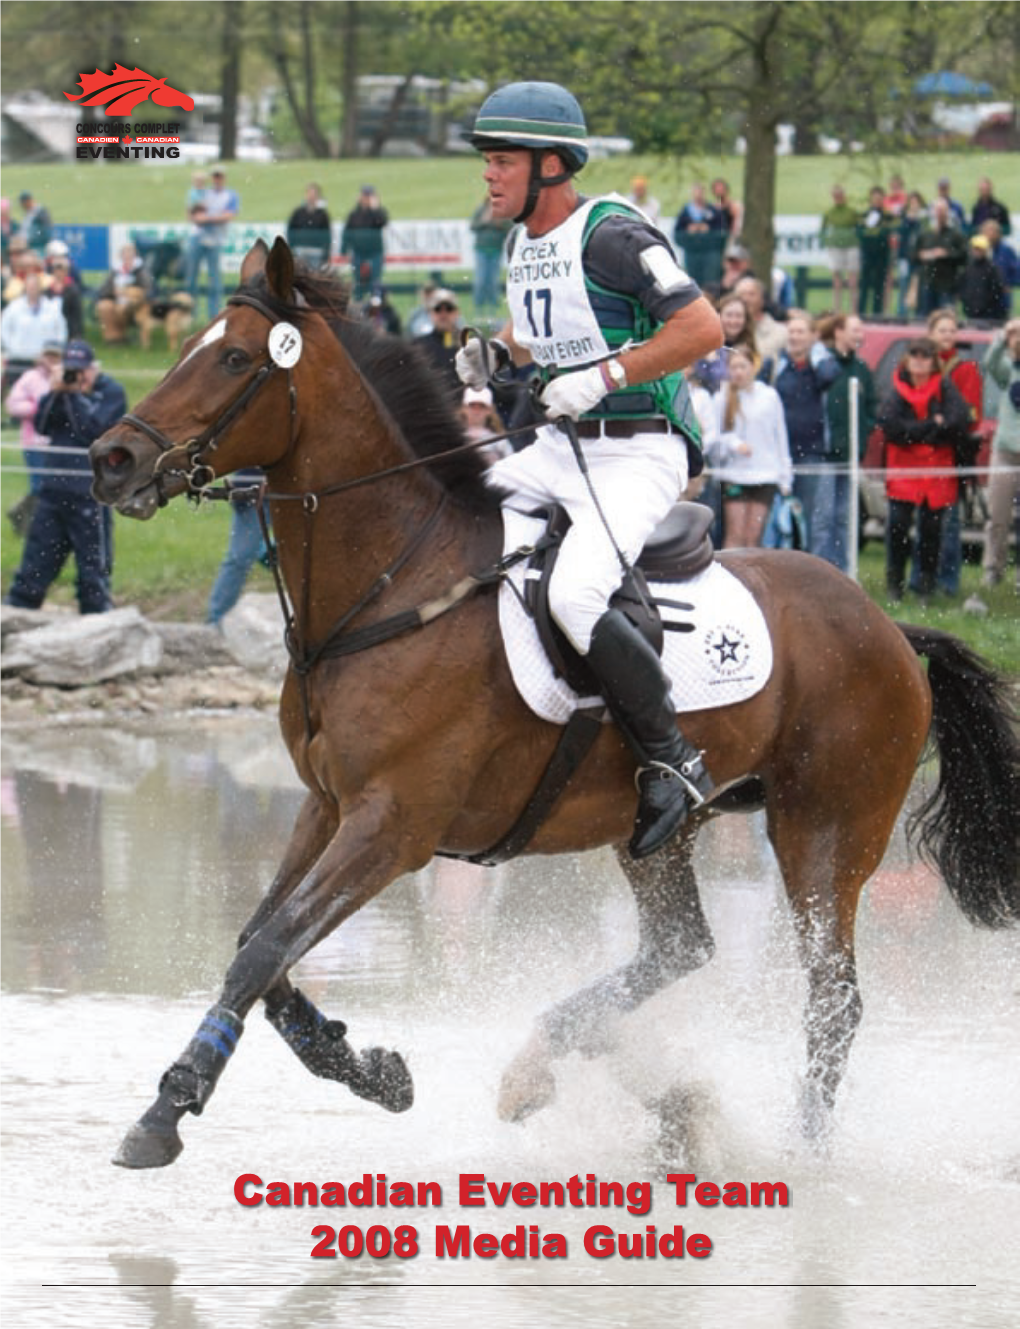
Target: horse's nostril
{"x": 117, "y": 457}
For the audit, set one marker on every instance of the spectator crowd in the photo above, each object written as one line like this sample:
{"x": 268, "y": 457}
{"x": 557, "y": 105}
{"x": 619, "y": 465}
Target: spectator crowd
{"x": 774, "y": 402}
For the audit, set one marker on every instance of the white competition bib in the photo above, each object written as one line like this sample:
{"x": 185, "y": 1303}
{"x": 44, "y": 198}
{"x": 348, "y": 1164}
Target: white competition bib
{"x": 552, "y": 315}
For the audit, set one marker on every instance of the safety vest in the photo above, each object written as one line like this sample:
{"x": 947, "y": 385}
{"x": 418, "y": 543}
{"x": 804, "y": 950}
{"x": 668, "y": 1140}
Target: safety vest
{"x": 567, "y": 321}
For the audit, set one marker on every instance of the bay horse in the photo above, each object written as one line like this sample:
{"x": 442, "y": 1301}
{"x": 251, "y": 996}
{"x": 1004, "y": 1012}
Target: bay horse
{"x": 415, "y": 742}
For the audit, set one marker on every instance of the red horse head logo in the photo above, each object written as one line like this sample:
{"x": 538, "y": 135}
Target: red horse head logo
{"x": 122, "y": 90}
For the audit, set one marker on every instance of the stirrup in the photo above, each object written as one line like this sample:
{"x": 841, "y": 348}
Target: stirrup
{"x": 684, "y": 773}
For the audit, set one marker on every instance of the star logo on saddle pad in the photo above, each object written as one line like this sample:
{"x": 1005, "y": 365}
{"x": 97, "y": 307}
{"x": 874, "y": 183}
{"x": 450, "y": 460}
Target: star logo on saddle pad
{"x": 726, "y": 649}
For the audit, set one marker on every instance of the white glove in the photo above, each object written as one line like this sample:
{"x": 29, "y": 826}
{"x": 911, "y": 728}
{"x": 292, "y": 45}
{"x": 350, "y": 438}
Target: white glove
{"x": 573, "y": 394}
{"x": 477, "y": 359}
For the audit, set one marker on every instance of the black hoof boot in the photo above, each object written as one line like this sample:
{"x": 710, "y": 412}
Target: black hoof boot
{"x": 382, "y": 1077}
{"x": 669, "y": 794}
{"x": 321, "y": 1046}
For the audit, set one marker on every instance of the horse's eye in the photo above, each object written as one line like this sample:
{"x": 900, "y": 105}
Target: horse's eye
{"x": 235, "y": 360}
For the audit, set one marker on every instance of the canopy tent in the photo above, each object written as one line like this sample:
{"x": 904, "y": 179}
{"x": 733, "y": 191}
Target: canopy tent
{"x": 948, "y": 83}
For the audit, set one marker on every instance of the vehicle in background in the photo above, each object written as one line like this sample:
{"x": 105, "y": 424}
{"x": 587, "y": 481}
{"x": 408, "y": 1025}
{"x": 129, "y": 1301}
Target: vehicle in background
{"x": 882, "y": 349}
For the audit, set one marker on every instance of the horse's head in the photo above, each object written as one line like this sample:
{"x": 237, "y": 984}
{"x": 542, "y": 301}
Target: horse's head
{"x": 227, "y": 403}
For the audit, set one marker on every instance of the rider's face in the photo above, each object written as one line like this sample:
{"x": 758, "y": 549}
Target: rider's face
{"x": 507, "y": 175}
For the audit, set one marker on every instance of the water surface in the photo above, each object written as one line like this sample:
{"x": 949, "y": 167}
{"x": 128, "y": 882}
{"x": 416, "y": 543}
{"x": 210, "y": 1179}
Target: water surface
{"x": 130, "y": 864}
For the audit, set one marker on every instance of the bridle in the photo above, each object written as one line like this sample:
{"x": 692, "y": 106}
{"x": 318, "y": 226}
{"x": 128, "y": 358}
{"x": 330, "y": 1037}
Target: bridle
{"x": 198, "y": 475}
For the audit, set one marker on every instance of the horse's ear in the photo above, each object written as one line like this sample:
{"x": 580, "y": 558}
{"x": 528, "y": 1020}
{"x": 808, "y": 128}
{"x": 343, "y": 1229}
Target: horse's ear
{"x": 280, "y": 270}
{"x": 254, "y": 261}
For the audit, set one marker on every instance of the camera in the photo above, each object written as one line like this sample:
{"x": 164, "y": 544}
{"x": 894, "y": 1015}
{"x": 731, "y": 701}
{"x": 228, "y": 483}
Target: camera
{"x": 71, "y": 377}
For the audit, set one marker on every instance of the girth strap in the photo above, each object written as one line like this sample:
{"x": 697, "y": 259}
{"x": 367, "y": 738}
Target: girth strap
{"x": 575, "y": 742}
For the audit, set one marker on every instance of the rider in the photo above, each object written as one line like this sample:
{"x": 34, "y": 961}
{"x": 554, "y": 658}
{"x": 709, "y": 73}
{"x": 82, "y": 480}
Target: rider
{"x": 600, "y": 307}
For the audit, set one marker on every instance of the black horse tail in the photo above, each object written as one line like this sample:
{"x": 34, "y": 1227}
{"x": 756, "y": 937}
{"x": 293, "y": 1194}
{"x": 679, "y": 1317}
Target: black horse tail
{"x": 969, "y": 829}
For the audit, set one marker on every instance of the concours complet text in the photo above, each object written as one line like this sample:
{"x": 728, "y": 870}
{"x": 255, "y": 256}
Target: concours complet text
{"x": 526, "y": 1241}
{"x": 113, "y": 139}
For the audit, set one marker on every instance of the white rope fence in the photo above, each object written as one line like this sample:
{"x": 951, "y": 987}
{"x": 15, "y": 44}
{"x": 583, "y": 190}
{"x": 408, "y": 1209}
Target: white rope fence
{"x": 851, "y": 468}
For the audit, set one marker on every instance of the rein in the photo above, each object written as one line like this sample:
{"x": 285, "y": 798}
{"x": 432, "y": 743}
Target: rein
{"x": 312, "y": 496}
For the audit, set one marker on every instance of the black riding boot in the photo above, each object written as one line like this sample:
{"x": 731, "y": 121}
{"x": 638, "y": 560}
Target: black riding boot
{"x": 672, "y": 780}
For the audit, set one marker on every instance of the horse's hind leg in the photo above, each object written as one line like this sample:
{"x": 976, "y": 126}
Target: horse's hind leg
{"x": 825, "y": 863}
{"x": 673, "y": 939}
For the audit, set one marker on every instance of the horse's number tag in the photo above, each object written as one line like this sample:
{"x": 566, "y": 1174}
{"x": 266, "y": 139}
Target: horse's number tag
{"x": 285, "y": 345}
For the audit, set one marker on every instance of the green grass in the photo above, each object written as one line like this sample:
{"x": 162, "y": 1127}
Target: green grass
{"x": 165, "y": 566}
{"x": 446, "y": 187}
{"x": 996, "y": 636}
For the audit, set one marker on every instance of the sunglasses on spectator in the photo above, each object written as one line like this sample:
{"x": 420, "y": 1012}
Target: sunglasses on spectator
{"x": 445, "y": 309}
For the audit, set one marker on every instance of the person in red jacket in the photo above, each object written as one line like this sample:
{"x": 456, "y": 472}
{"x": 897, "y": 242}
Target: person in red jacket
{"x": 924, "y": 419}
{"x": 965, "y": 375}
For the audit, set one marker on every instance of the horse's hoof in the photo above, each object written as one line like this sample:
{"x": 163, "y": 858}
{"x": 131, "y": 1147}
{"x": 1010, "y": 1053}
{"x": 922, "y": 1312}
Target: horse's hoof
{"x": 143, "y": 1147}
{"x": 385, "y": 1079}
{"x": 528, "y": 1086}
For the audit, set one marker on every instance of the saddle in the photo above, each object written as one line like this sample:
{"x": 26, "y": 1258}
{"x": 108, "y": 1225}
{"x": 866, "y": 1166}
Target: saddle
{"x": 680, "y": 547}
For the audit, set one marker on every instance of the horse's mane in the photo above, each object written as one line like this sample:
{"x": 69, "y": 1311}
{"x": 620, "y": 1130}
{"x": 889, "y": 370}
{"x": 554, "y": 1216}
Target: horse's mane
{"x": 400, "y": 375}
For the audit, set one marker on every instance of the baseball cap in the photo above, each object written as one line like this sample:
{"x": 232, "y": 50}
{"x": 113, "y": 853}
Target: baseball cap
{"x": 57, "y": 249}
{"x": 53, "y": 348}
{"x": 368, "y": 189}
{"x": 442, "y": 297}
{"x": 78, "y": 355}
{"x": 477, "y": 396}
{"x": 24, "y": 196}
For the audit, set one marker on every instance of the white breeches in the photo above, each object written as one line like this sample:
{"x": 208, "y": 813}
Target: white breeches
{"x": 637, "y": 480}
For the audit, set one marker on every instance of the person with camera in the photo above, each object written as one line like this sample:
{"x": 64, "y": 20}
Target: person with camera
{"x": 81, "y": 404}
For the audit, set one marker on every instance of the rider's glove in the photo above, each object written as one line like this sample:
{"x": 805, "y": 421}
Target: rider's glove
{"x": 573, "y": 394}
{"x": 477, "y": 360}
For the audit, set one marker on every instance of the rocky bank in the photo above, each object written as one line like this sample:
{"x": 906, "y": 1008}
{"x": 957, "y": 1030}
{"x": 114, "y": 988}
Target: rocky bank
{"x": 57, "y": 667}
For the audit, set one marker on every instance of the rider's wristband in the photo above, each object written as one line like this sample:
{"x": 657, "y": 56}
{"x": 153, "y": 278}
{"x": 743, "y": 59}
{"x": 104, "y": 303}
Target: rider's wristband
{"x": 613, "y": 375}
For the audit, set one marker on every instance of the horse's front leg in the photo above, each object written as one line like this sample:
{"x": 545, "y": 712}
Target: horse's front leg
{"x": 366, "y": 853}
{"x": 674, "y": 939}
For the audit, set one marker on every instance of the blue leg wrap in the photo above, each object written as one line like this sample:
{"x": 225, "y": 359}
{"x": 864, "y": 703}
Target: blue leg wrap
{"x": 190, "y": 1081}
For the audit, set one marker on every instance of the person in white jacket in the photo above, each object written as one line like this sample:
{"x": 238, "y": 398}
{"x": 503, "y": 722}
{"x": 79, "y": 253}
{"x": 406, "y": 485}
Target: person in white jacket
{"x": 752, "y": 451}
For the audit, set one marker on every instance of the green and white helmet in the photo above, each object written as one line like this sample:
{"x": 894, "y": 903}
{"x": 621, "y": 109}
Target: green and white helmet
{"x": 539, "y": 117}
{"x": 533, "y": 115}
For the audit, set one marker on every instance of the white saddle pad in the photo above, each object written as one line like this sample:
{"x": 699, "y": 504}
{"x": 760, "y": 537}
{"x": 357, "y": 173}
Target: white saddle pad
{"x": 726, "y": 659}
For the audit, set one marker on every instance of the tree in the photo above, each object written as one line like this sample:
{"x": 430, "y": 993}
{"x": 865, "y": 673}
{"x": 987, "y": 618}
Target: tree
{"x": 678, "y": 78}
{"x": 349, "y": 80}
{"x": 300, "y": 89}
{"x": 230, "y": 78}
